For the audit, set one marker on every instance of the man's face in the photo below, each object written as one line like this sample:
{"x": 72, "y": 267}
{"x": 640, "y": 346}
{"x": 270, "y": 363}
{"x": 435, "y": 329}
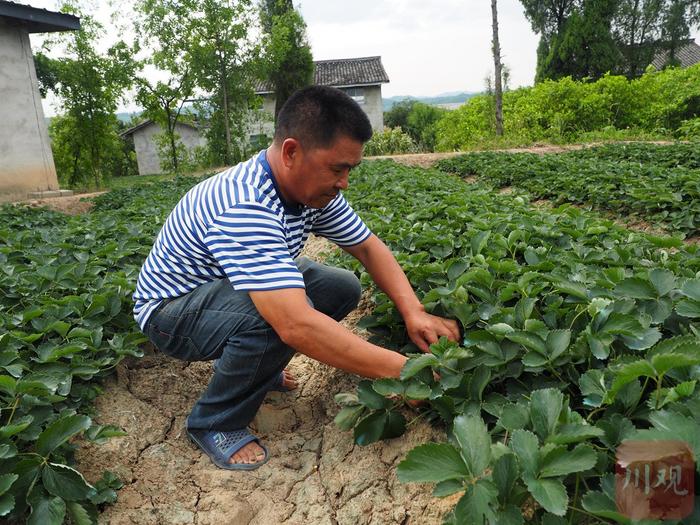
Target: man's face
{"x": 321, "y": 173}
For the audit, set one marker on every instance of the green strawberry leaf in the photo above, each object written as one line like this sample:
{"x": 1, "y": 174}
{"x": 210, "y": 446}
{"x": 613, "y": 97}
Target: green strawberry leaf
{"x": 65, "y": 482}
{"x": 474, "y": 442}
{"x": 545, "y": 408}
{"x": 526, "y": 446}
{"x": 550, "y": 493}
{"x": 432, "y": 462}
{"x": 59, "y": 432}
{"x": 46, "y": 509}
{"x": 560, "y": 462}
{"x": 691, "y": 289}
{"x": 418, "y": 363}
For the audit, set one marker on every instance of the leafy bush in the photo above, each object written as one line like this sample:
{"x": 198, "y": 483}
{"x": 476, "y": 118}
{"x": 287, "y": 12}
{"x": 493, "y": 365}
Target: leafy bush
{"x": 418, "y": 120}
{"x": 397, "y": 116}
{"x": 390, "y": 141}
{"x": 422, "y": 125}
{"x": 79, "y": 168}
{"x": 564, "y": 110}
{"x": 578, "y": 334}
{"x": 689, "y": 129}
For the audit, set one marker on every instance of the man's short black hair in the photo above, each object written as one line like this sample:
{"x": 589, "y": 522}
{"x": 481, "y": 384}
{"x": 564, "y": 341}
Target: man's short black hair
{"x": 317, "y": 115}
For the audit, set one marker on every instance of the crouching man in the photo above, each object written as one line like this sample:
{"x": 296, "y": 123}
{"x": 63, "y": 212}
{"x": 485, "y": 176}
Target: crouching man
{"x": 223, "y": 280}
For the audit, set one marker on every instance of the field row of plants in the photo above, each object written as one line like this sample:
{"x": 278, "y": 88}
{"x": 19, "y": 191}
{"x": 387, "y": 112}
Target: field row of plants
{"x": 677, "y": 155}
{"x": 660, "y": 184}
{"x": 578, "y": 335}
{"x": 65, "y": 323}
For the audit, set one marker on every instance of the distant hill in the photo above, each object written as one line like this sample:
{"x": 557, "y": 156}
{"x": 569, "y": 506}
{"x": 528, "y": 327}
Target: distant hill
{"x": 453, "y": 99}
{"x": 126, "y": 117}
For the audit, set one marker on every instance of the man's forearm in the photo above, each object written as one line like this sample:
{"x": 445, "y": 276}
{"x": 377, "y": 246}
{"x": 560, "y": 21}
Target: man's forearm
{"x": 323, "y": 339}
{"x": 388, "y": 275}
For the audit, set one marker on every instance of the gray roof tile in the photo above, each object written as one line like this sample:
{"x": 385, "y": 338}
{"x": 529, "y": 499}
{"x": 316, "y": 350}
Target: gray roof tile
{"x": 344, "y": 72}
{"x": 36, "y": 20}
{"x": 687, "y": 55}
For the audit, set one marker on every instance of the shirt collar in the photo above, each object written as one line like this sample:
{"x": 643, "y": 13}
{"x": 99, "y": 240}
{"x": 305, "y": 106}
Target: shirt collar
{"x": 290, "y": 207}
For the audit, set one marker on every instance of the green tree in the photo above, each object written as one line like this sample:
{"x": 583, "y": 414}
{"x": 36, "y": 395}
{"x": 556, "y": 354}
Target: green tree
{"x": 416, "y": 119}
{"x": 89, "y": 86}
{"x": 163, "y": 104}
{"x": 211, "y": 39}
{"x": 548, "y": 19}
{"x": 45, "y": 73}
{"x": 288, "y": 62}
{"x": 586, "y": 38}
{"x": 587, "y": 48}
{"x": 397, "y": 116}
{"x": 223, "y": 62}
{"x": 421, "y": 124}
{"x": 161, "y": 28}
{"x": 678, "y": 18}
{"x": 637, "y": 29}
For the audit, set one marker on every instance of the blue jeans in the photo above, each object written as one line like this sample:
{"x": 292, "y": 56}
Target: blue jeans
{"x": 214, "y": 321}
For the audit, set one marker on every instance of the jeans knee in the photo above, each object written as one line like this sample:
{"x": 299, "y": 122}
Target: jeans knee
{"x": 352, "y": 289}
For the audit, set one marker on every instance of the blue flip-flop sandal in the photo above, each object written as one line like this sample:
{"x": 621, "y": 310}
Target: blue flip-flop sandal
{"x": 221, "y": 445}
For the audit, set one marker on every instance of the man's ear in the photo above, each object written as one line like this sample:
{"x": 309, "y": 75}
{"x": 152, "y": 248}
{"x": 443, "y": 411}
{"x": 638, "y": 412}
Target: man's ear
{"x": 291, "y": 150}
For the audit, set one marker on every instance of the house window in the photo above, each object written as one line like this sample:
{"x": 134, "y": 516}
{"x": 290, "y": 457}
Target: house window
{"x": 357, "y": 94}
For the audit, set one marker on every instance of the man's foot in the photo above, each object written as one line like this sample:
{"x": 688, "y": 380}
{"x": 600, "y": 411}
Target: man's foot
{"x": 231, "y": 450}
{"x": 288, "y": 380}
{"x": 250, "y": 453}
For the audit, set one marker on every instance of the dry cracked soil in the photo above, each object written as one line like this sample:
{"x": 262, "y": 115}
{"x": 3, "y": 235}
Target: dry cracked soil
{"x": 316, "y": 474}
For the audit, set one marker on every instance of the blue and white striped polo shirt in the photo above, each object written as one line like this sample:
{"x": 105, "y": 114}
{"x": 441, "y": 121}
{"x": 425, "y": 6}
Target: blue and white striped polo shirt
{"x": 235, "y": 225}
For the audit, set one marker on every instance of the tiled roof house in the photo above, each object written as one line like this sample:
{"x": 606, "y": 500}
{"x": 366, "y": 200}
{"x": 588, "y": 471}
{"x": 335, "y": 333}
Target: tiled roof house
{"x": 687, "y": 55}
{"x": 361, "y": 78}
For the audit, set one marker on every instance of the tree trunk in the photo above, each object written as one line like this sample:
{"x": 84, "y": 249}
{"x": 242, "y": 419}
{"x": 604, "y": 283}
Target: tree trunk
{"x": 498, "y": 93}
{"x": 173, "y": 150}
{"x": 227, "y": 122}
{"x": 633, "y": 50}
{"x": 171, "y": 137}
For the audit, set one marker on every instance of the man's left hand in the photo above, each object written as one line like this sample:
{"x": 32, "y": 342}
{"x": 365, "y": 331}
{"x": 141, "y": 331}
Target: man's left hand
{"x": 425, "y": 329}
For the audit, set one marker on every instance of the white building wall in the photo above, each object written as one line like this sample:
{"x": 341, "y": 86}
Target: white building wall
{"x": 147, "y": 152}
{"x": 368, "y": 97}
{"x": 375, "y": 107}
{"x": 26, "y": 161}
{"x": 263, "y": 121}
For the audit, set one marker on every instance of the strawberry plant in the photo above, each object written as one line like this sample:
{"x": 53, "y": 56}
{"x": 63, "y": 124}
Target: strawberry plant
{"x": 578, "y": 334}
{"x": 65, "y": 323}
{"x": 618, "y": 178}
{"x": 679, "y": 155}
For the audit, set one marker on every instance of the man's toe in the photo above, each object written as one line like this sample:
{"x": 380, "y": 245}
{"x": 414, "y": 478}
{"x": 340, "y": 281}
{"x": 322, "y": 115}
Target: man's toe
{"x": 250, "y": 453}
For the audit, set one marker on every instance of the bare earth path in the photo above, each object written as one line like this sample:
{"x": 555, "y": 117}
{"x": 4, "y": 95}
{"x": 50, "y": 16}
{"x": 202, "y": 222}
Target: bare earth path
{"x": 426, "y": 160}
{"x": 316, "y": 474}
{"x": 71, "y": 205}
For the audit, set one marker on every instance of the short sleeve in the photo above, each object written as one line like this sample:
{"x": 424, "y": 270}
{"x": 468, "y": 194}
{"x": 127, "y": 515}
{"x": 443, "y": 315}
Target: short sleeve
{"x": 248, "y": 242}
{"x": 339, "y": 223}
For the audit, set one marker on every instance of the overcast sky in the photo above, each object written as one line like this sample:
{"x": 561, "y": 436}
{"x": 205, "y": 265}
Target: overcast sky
{"x": 427, "y": 48}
